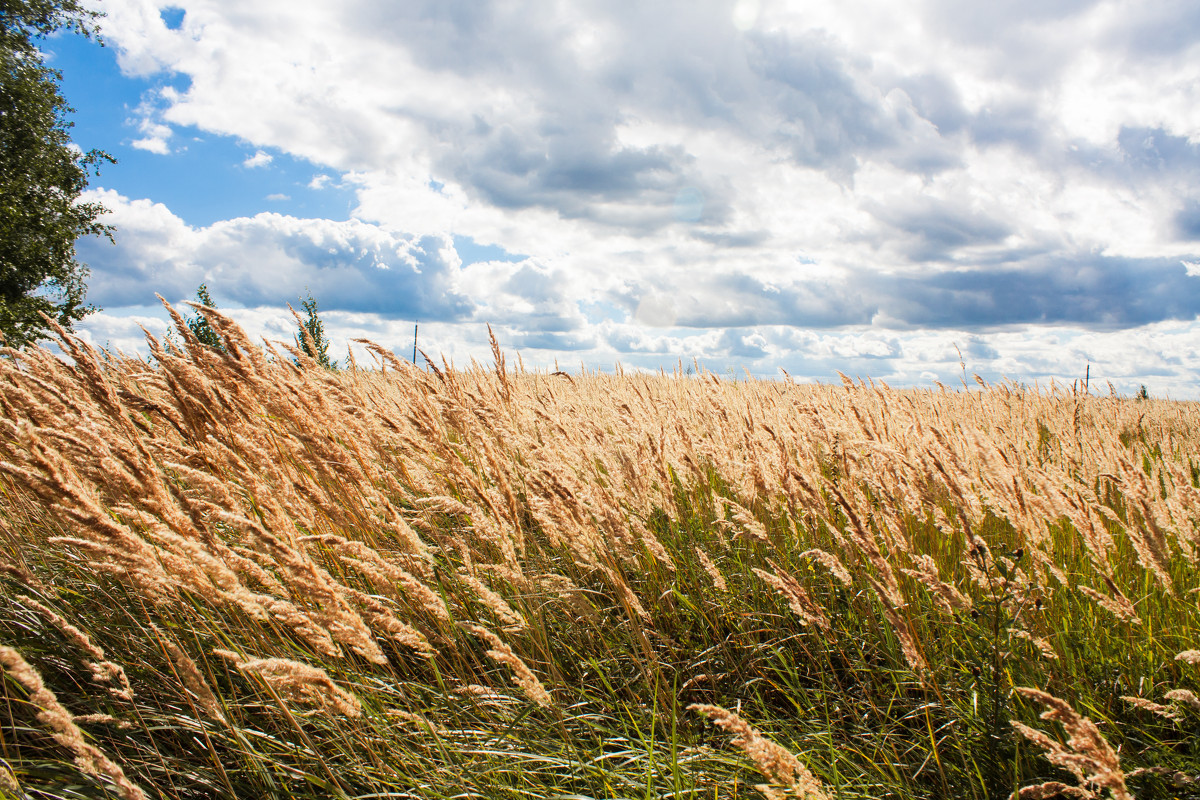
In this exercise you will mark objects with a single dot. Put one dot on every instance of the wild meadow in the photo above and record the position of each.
(230, 572)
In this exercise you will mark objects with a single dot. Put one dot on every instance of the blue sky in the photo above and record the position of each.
(859, 186)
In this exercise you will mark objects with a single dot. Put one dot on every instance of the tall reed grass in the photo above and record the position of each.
(226, 575)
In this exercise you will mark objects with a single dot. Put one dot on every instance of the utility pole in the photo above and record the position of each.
(415, 325)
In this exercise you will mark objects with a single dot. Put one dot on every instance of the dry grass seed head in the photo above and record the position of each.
(629, 600)
(301, 683)
(1184, 697)
(1087, 754)
(61, 724)
(1052, 789)
(383, 574)
(778, 764)
(103, 670)
(947, 597)
(420, 721)
(717, 578)
(1044, 647)
(192, 679)
(798, 598)
(753, 529)
(382, 618)
(9, 785)
(1119, 606)
(522, 675)
(1166, 712)
(831, 563)
(908, 643)
(511, 619)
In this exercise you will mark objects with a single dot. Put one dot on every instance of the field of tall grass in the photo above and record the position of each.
(226, 575)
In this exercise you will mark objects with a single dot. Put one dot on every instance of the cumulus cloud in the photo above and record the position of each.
(155, 135)
(269, 260)
(259, 159)
(156, 142)
(717, 173)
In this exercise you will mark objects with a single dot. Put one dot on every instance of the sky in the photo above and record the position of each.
(912, 191)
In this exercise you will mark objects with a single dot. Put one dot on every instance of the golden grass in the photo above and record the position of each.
(278, 559)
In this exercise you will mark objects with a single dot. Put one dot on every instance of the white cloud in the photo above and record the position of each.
(152, 144)
(278, 197)
(1006, 171)
(268, 260)
(259, 159)
(156, 135)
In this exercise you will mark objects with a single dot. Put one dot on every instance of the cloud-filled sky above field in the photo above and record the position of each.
(759, 184)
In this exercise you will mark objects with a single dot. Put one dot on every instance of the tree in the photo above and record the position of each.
(199, 323)
(311, 334)
(42, 174)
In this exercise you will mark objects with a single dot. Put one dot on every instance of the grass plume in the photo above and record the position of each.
(227, 574)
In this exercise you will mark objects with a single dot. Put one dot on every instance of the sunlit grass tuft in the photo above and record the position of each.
(226, 575)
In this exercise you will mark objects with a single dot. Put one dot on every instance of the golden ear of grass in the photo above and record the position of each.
(1118, 605)
(383, 574)
(61, 724)
(1158, 709)
(103, 670)
(512, 619)
(1053, 789)
(1043, 645)
(754, 529)
(908, 643)
(1189, 657)
(717, 578)
(9, 785)
(522, 675)
(299, 682)
(1087, 754)
(192, 679)
(633, 606)
(948, 598)
(831, 563)
(798, 599)
(778, 764)
(1184, 697)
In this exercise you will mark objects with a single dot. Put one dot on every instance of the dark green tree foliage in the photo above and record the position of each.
(199, 324)
(41, 176)
(311, 335)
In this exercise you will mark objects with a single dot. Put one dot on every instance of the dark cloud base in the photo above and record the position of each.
(1091, 291)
